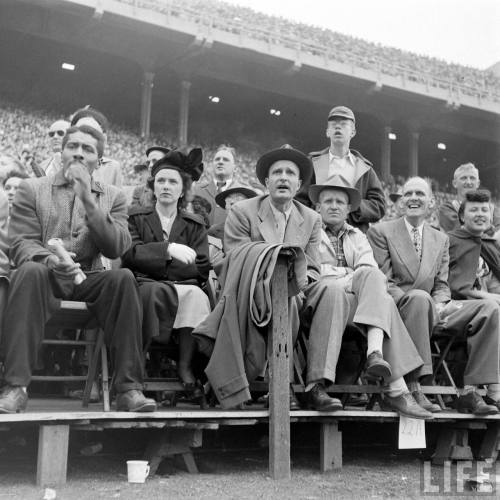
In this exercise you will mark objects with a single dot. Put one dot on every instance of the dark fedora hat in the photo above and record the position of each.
(157, 148)
(286, 152)
(248, 192)
(336, 182)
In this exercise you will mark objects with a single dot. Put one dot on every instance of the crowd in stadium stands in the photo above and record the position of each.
(23, 130)
(337, 46)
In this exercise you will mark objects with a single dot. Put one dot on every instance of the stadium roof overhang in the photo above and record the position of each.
(158, 42)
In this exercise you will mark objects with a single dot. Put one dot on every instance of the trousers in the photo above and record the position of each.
(477, 322)
(329, 308)
(111, 296)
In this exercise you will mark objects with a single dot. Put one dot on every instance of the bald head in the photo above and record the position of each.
(56, 133)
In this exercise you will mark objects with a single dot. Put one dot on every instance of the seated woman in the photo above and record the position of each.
(169, 257)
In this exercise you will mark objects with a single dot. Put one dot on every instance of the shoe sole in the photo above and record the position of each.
(379, 371)
(485, 414)
(145, 408)
(405, 414)
(3, 411)
(326, 408)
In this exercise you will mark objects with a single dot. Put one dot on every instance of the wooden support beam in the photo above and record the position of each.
(52, 462)
(490, 443)
(330, 442)
(280, 350)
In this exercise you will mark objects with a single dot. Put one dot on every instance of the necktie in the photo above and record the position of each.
(220, 185)
(281, 226)
(417, 243)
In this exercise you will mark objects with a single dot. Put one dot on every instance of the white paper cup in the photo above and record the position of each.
(137, 471)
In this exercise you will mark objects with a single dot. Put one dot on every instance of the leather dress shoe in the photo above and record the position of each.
(406, 405)
(491, 402)
(13, 399)
(318, 399)
(422, 401)
(134, 400)
(472, 402)
(377, 367)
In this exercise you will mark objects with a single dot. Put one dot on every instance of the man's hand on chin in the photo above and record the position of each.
(79, 178)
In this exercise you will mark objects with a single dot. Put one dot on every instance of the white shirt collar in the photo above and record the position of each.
(277, 213)
(347, 157)
(409, 227)
(227, 181)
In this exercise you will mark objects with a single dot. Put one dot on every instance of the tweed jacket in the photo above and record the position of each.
(398, 260)
(372, 207)
(41, 211)
(109, 172)
(253, 220)
(147, 256)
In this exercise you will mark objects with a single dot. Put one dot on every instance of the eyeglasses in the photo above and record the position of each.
(60, 133)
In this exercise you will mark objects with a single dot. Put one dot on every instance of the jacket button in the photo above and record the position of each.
(75, 234)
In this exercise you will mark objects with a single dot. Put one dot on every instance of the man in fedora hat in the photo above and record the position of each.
(347, 261)
(277, 218)
(338, 159)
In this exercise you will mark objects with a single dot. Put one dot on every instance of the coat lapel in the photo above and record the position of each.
(294, 235)
(153, 221)
(404, 248)
(321, 167)
(267, 225)
(177, 227)
(429, 245)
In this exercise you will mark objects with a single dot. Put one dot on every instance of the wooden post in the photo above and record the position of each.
(330, 447)
(279, 343)
(52, 462)
(491, 442)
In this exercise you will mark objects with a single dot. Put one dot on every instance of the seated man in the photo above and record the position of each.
(347, 261)
(278, 218)
(90, 219)
(415, 257)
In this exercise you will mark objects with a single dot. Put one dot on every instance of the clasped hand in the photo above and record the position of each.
(183, 253)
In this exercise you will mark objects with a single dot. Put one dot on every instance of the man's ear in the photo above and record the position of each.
(353, 131)
(432, 202)
(300, 184)
(317, 207)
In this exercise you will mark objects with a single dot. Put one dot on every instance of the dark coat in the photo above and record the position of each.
(148, 255)
(465, 250)
(372, 207)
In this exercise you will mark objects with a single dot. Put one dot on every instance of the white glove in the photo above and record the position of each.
(183, 253)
